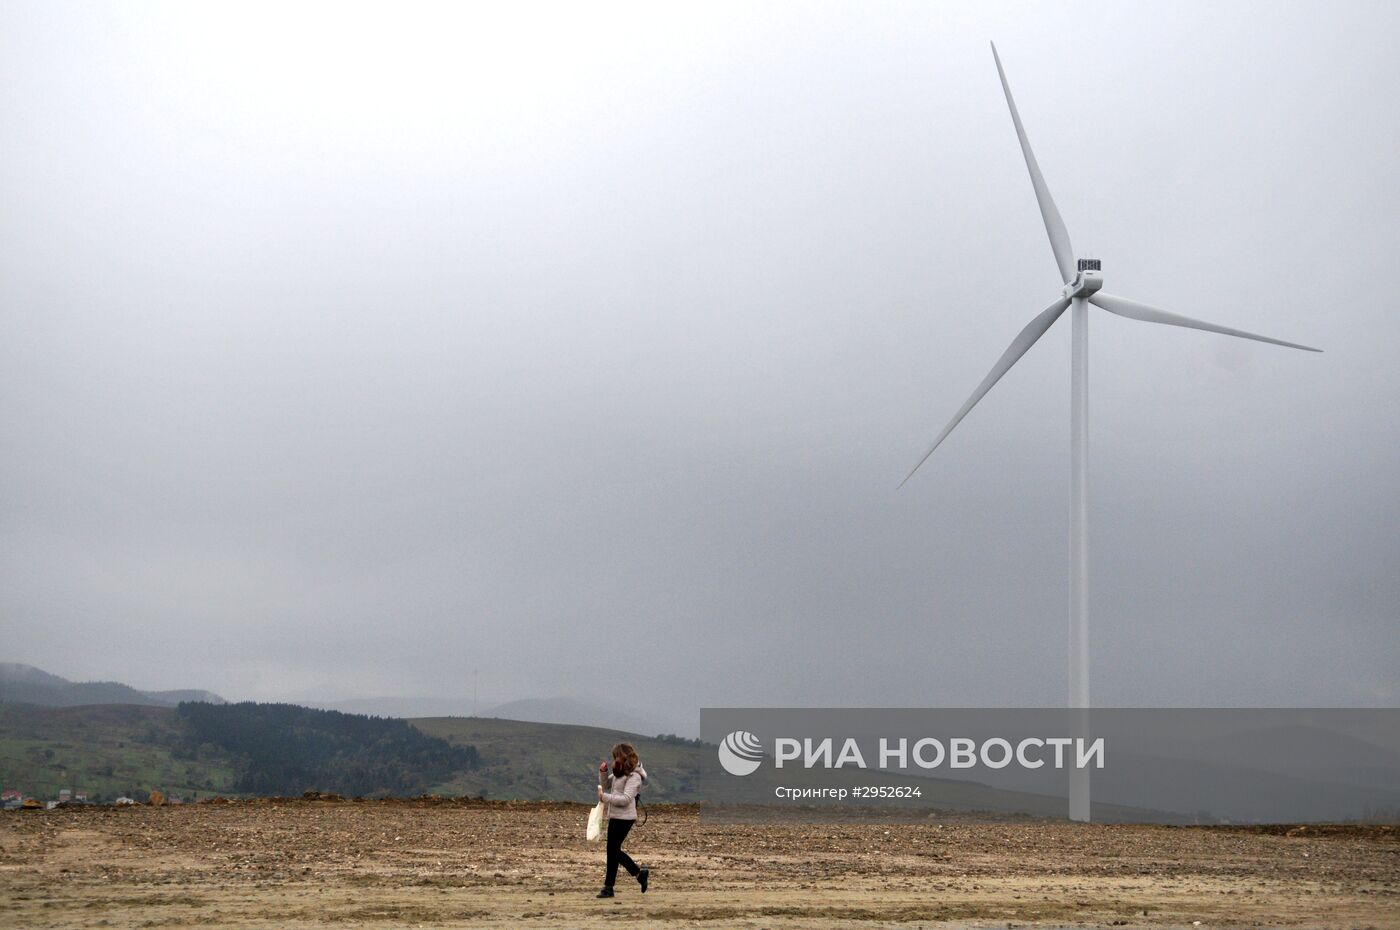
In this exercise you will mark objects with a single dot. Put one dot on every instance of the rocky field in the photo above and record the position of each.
(298, 864)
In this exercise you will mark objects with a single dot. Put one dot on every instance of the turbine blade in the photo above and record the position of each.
(1054, 226)
(1136, 311)
(1027, 338)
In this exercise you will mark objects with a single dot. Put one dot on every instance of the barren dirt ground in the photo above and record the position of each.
(408, 864)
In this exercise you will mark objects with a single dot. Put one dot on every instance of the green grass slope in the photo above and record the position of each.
(554, 761)
(105, 751)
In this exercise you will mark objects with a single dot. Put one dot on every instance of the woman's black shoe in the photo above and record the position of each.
(606, 892)
(642, 877)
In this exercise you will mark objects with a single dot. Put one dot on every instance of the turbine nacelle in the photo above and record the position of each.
(1086, 281)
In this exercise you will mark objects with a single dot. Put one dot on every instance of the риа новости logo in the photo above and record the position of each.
(740, 753)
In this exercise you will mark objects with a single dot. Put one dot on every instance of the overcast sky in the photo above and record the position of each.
(348, 349)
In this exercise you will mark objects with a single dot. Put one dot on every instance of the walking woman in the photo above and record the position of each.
(619, 790)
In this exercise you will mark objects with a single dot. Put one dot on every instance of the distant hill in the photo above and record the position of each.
(564, 710)
(540, 761)
(551, 761)
(198, 749)
(398, 706)
(574, 712)
(30, 685)
(201, 750)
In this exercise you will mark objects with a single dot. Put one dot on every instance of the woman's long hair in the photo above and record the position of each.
(625, 760)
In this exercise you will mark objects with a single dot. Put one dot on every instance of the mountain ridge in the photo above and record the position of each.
(28, 684)
(564, 710)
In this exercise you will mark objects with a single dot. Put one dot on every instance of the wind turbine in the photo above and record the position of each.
(1082, 286)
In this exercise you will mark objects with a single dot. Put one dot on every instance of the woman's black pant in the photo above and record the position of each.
(617, 832)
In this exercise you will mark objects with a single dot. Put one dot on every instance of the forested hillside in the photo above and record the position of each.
(199, 750)
(288, 749)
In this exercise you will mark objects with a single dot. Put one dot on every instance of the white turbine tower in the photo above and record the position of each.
(1081, 287)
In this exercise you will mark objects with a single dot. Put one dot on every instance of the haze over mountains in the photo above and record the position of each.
(30, 685)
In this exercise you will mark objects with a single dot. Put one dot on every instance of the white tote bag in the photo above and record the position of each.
(595, 821)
